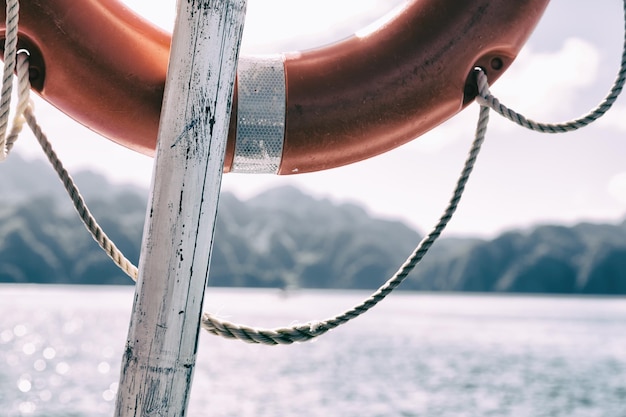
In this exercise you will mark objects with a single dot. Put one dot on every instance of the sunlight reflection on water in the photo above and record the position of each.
(414, 355)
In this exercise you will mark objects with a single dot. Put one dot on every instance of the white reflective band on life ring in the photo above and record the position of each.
(260, 115)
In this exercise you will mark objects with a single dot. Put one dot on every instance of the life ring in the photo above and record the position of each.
(105, 67)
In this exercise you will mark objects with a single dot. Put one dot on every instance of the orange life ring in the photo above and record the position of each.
(106, 67)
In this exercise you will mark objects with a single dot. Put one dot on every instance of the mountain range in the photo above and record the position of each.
(286, 239)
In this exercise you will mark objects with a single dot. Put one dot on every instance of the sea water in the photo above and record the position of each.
(430, 355)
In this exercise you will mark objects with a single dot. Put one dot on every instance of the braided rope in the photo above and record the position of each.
(10, 49)
(25, 113)
(10, 59)
(15, 60)
(209, 322)
(298, 333)
(301, 333)
(485, 98)
(85, 215)
(24, 101)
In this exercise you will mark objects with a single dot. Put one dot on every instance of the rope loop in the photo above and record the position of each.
(309, 331)
(12, 59)
(485, 98)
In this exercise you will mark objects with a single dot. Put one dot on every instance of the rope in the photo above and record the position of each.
(311, 330)
(487, 99)
(298, 333)
(11, 56)
(85, 215)
(24, 113)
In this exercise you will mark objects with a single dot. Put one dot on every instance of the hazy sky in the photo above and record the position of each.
(522, 178)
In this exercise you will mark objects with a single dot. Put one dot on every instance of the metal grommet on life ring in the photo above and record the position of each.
(294, 112)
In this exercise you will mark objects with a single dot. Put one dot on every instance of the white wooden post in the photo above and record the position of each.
(158, 364)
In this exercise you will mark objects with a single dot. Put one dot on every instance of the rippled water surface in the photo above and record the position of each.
(413, 355)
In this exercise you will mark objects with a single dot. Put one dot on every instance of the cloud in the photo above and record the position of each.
(617, 187)
(279, 25)
(614, 118)
(543, 85)
(459, 128)
(162, 16)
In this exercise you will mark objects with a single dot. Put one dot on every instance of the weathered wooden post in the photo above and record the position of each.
(158, 364)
